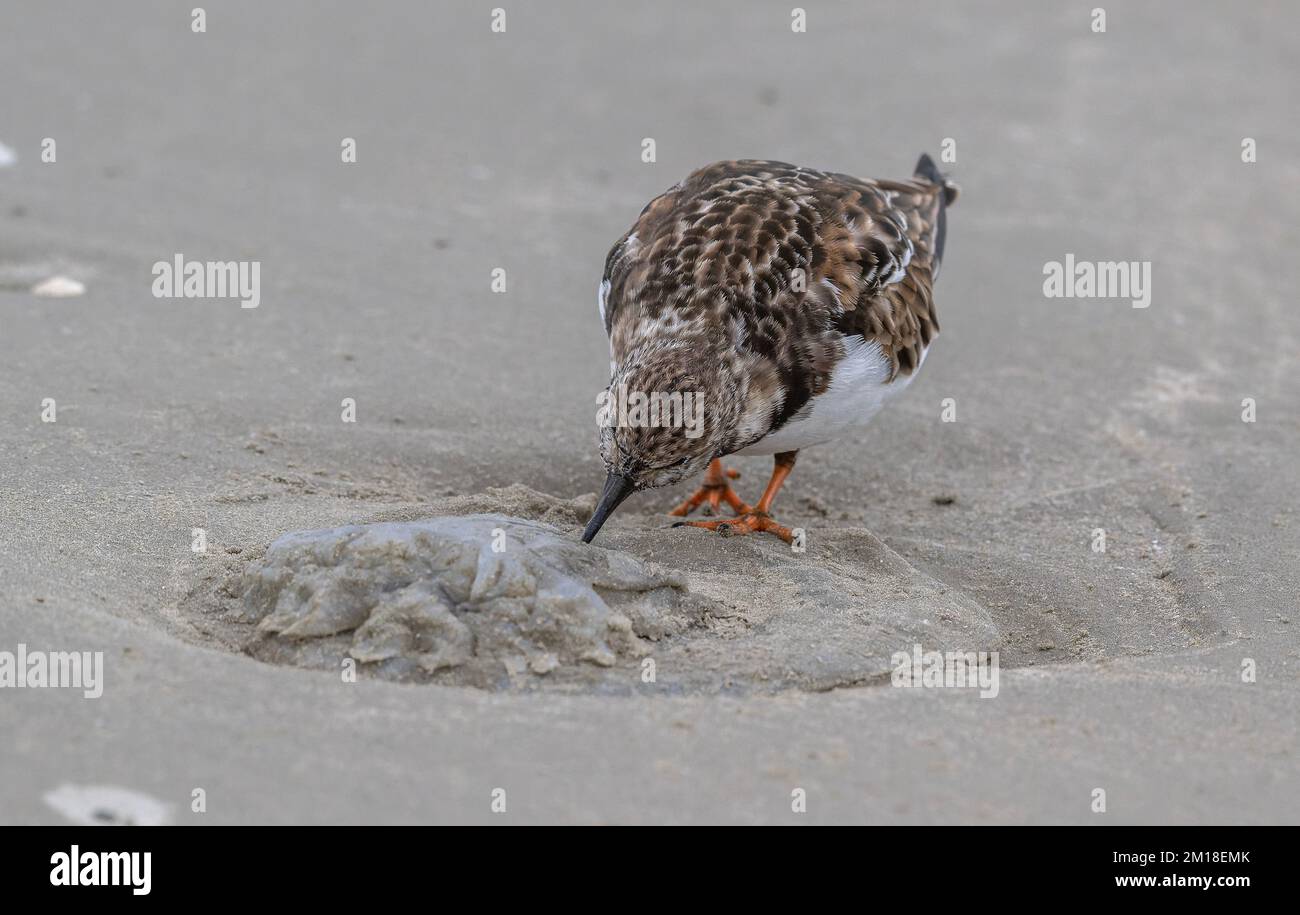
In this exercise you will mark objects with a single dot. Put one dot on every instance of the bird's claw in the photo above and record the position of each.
(714, 491)
(748, 522)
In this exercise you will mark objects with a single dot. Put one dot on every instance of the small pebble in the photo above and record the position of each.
(543, 664)
(59, 287)
(98, 805)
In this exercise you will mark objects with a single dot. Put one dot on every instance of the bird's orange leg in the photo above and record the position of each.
(715, 491)
(758, 518)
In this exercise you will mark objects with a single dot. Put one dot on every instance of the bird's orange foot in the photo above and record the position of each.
(747, 522)
(715, 491)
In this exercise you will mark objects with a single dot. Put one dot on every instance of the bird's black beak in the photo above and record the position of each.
(617, 488)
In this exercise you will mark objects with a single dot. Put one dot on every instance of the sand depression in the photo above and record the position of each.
(495, 591)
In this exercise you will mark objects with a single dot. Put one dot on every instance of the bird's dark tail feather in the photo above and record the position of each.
(926, 169)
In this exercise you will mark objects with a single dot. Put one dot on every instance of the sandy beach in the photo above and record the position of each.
(1163, 670)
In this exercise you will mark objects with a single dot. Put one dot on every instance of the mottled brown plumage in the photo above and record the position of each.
(755, 280)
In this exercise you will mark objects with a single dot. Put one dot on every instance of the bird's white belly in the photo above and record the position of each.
(859, 388)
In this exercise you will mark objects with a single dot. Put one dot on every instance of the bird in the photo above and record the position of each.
(792, 302)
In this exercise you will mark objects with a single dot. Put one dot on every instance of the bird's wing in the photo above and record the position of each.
(732, 232)
(879, 242)
(795, 258)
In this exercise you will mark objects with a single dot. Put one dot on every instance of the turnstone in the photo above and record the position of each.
(795, 301)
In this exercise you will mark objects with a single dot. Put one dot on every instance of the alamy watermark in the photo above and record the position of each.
(182, 279)
(102, 868)
(1098, 280)
(946, 669)
(656, 409)
(83, 670)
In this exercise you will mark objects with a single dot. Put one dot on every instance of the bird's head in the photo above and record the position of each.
(661, 420)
